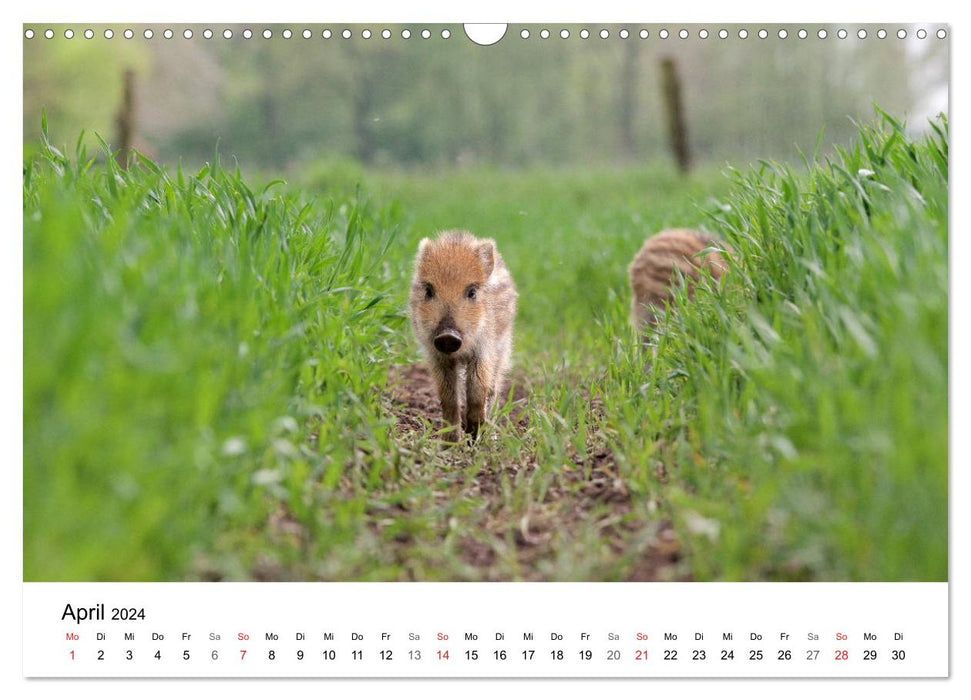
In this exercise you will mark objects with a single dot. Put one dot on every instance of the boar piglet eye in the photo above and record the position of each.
(470, 292)
(429, 291)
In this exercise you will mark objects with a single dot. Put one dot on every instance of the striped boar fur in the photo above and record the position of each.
(654, 271)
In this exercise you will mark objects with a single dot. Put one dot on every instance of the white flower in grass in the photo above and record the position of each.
(234, 446)
(265, 477)
(286, 424)
(700, 525)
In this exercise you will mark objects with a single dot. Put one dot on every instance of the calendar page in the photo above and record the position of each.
(396, 348)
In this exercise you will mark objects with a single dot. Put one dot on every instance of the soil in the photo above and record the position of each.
(414, 400)
(586, 495)
(593, 487)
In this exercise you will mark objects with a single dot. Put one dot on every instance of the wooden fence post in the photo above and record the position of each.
(674, 114)
(126, 119)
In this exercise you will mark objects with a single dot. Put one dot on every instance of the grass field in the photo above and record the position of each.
(220, 382)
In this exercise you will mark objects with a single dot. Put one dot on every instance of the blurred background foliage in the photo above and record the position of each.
(448, 102)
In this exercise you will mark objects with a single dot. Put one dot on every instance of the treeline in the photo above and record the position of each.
(447, 101)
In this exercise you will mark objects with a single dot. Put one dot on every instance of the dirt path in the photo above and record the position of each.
(483, 512)
(591, 490)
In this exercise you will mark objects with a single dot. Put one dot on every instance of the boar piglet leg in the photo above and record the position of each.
(448, 380)
(478, 393)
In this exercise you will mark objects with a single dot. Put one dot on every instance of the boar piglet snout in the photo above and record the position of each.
(448, 341)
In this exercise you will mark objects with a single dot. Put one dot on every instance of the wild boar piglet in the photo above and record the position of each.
(462, 306)
(654, 271)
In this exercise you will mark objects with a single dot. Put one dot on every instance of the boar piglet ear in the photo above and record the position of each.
(487, 254)
(423, 247)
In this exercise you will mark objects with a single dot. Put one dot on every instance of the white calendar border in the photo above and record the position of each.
(419, 630)
(498, 10)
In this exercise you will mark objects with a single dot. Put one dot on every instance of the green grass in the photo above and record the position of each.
(206, 368)
(183, 338)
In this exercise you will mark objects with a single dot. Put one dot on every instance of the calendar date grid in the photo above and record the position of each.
(427, 630)
(332, 648)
